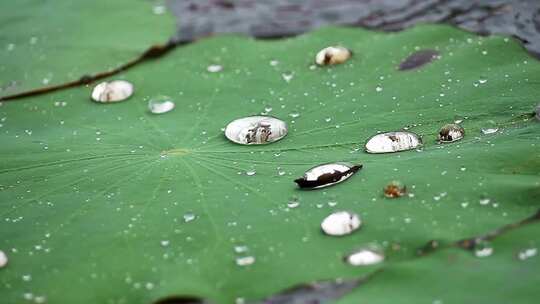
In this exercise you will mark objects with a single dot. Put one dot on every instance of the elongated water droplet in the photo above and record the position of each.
(483, 249)
(489, 130)
(251, 172)
(537, 112)
(418, 59)
(214, 68)
(256, 130)
(3, 259)
(160, 104)
(365, 257)
(395, 189)
(450, 133)
(293, 203)
(245, 261)
(332, 55)
(288, 76)
(327, 175)
(113, 91)
(527, 253)
(296, 114)
(341, 223)
(393, 142)
(188, 217)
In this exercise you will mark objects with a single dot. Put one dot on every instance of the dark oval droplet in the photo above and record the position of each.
(418, 59)
(180, 300)
(326, 175)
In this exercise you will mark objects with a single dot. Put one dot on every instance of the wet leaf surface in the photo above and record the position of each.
(122, 205)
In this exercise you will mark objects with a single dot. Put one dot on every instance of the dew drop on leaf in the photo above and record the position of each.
(245, 261)
(487, 131)
(256, 130)
(537, 112)
(418, 59)
(296, 114)
(393, 142)
(332, 55)
(3, 259)
(451, 133)
(327, 175)
(113, 91)
(214, 68)
(341, 223)
(365, 257)
(160, 104)
(483, 249)
(188, 217)
(293, 203)
(484, 201)
(527, 253)
(251, 172)
(287, 76)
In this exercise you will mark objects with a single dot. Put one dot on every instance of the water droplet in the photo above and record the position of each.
(483, 249)
(527, 253)
(159, 9)
(418, 59)
(482, 80)
(484, 201)
(332, 55)
(296, 114)
(451, 133)
(256, 130)
(394, 189)
(165, 243)
(245, 261)
(328, 119)
(114, 91)
(378, 88)
(327, 175)
(393, 142)
(288, 76)
(341, 223)
(214, 68)
(188, 217)
(27, 277)
(240, 248)
(251, 172)
(490, 130)
(160, 104)
(365, 257)
(293, 203)
(3, 259)
(274, 62)
(537, 112)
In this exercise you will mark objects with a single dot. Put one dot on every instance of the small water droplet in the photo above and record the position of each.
(274, 62)
(482, 80)
(256, 130)
(296, 114)
(393, 142)
(245, 261)
(483, 249)
(240, 248)
(113, 91)
(332, 55)
(365, 257)
(188, 217)
(3, 259)
(527, 253)
(214, 68)
(165, 243)
(395, 189)
(487, 131)
(287, 76)
(341, 223)
(484, 201)
(328, 119)
(293, 203)
(451, 133)
(26, 277)
(160, 104)
(327, 175)
(159, 9)
(378, 88)
(251, 172)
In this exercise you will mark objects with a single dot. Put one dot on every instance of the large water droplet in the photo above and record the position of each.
(327, 175)
(332, 55)
(450, 133)
(394, 189)
(160, 104)
(3, 259)
(341, 223)
(245, 261)
(114, 91)
(418, 59)
(256, 130)
(393, 142)
(365, 257)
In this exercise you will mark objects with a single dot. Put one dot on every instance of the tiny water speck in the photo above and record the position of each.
(188, 217)
(341, 223)
(527, 253)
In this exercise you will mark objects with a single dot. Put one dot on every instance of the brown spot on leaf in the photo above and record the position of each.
(418, 59)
